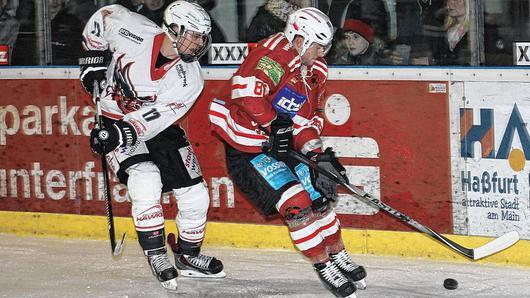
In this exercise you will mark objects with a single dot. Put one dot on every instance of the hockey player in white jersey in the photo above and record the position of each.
(151, 80)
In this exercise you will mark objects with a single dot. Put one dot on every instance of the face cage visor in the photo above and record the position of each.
(308, 43)
(187, 39)
(327, 47)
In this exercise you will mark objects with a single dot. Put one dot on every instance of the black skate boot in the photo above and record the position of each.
(352, 271)
(162, 268)
(334, 280)
(197, 265)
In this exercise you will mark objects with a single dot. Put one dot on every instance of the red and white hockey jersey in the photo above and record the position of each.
(150, 98)
(270, 81)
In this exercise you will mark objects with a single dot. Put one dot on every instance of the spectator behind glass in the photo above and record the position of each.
(8, 25)
(26, 52)
(216, 33)
(132, 5)
(498, 49)
(353, 45)
(420, 24)
(455, 48)
(151, 9)
(372, 11)
(67, 27)
(271, 18)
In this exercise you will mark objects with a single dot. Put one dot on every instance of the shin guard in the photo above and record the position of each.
(295, 208)
(329, 226)
(193, 203)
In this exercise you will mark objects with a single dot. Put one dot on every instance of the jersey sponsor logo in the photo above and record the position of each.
(174, 106)
(276, 173)
(190, 162)
(304, 176)
(181, 72)
(288, 101)
(130, 36)
(271, 68)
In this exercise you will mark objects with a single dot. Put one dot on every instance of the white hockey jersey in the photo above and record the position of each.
(149, 98)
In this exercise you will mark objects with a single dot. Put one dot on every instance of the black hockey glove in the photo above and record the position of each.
(93, 66)
(280, 138)
(322, 204)
(328, 161)
(119, 134)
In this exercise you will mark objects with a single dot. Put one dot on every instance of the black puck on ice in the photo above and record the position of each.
(450, 284)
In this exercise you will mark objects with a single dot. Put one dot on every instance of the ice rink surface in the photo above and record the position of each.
(51, 267)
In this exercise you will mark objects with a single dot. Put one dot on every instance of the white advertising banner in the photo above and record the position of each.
(228, 53)
(490, 149)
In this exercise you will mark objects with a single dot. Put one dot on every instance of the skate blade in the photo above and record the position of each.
(360, 284)
(197, 274)
(352, 296)
(170, 285)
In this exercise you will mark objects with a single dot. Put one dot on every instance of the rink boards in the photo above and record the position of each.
(447, 147)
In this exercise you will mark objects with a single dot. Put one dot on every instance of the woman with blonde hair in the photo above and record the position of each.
(457, 21)
(453, 48)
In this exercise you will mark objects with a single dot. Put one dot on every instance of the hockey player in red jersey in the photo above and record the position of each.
(272, 107)
(151, 81)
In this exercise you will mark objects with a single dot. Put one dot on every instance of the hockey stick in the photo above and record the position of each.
(492, 247)
(117, 248)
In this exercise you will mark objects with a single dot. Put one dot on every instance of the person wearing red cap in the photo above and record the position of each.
(353, 44)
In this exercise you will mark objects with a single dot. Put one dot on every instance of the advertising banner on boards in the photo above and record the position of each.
(392, 136)
(491, 149)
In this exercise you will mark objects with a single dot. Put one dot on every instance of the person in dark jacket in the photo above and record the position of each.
(270, 18)
(151, 9)
(9, 25)
(67, 26)
(372, 11)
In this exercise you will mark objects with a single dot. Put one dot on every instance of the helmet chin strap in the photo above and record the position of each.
(175, 47)
(174, 42)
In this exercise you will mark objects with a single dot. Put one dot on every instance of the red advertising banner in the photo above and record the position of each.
(46, 164)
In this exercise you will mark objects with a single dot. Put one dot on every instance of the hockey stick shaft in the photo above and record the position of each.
(490, 248)
(115, 247)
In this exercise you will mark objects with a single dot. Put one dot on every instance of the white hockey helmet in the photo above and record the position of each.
(313, 25)
(187, 16)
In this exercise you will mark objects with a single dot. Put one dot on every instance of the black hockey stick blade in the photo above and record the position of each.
(498, 244)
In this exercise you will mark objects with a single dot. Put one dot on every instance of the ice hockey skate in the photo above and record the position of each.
(162, 268)
(352, 271)
(334, 280)
(201, 266)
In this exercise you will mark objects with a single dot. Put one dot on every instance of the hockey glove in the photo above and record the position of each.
(329, 162)
(280, 138)
(93, 68)
(119, 134)
(321, 205)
